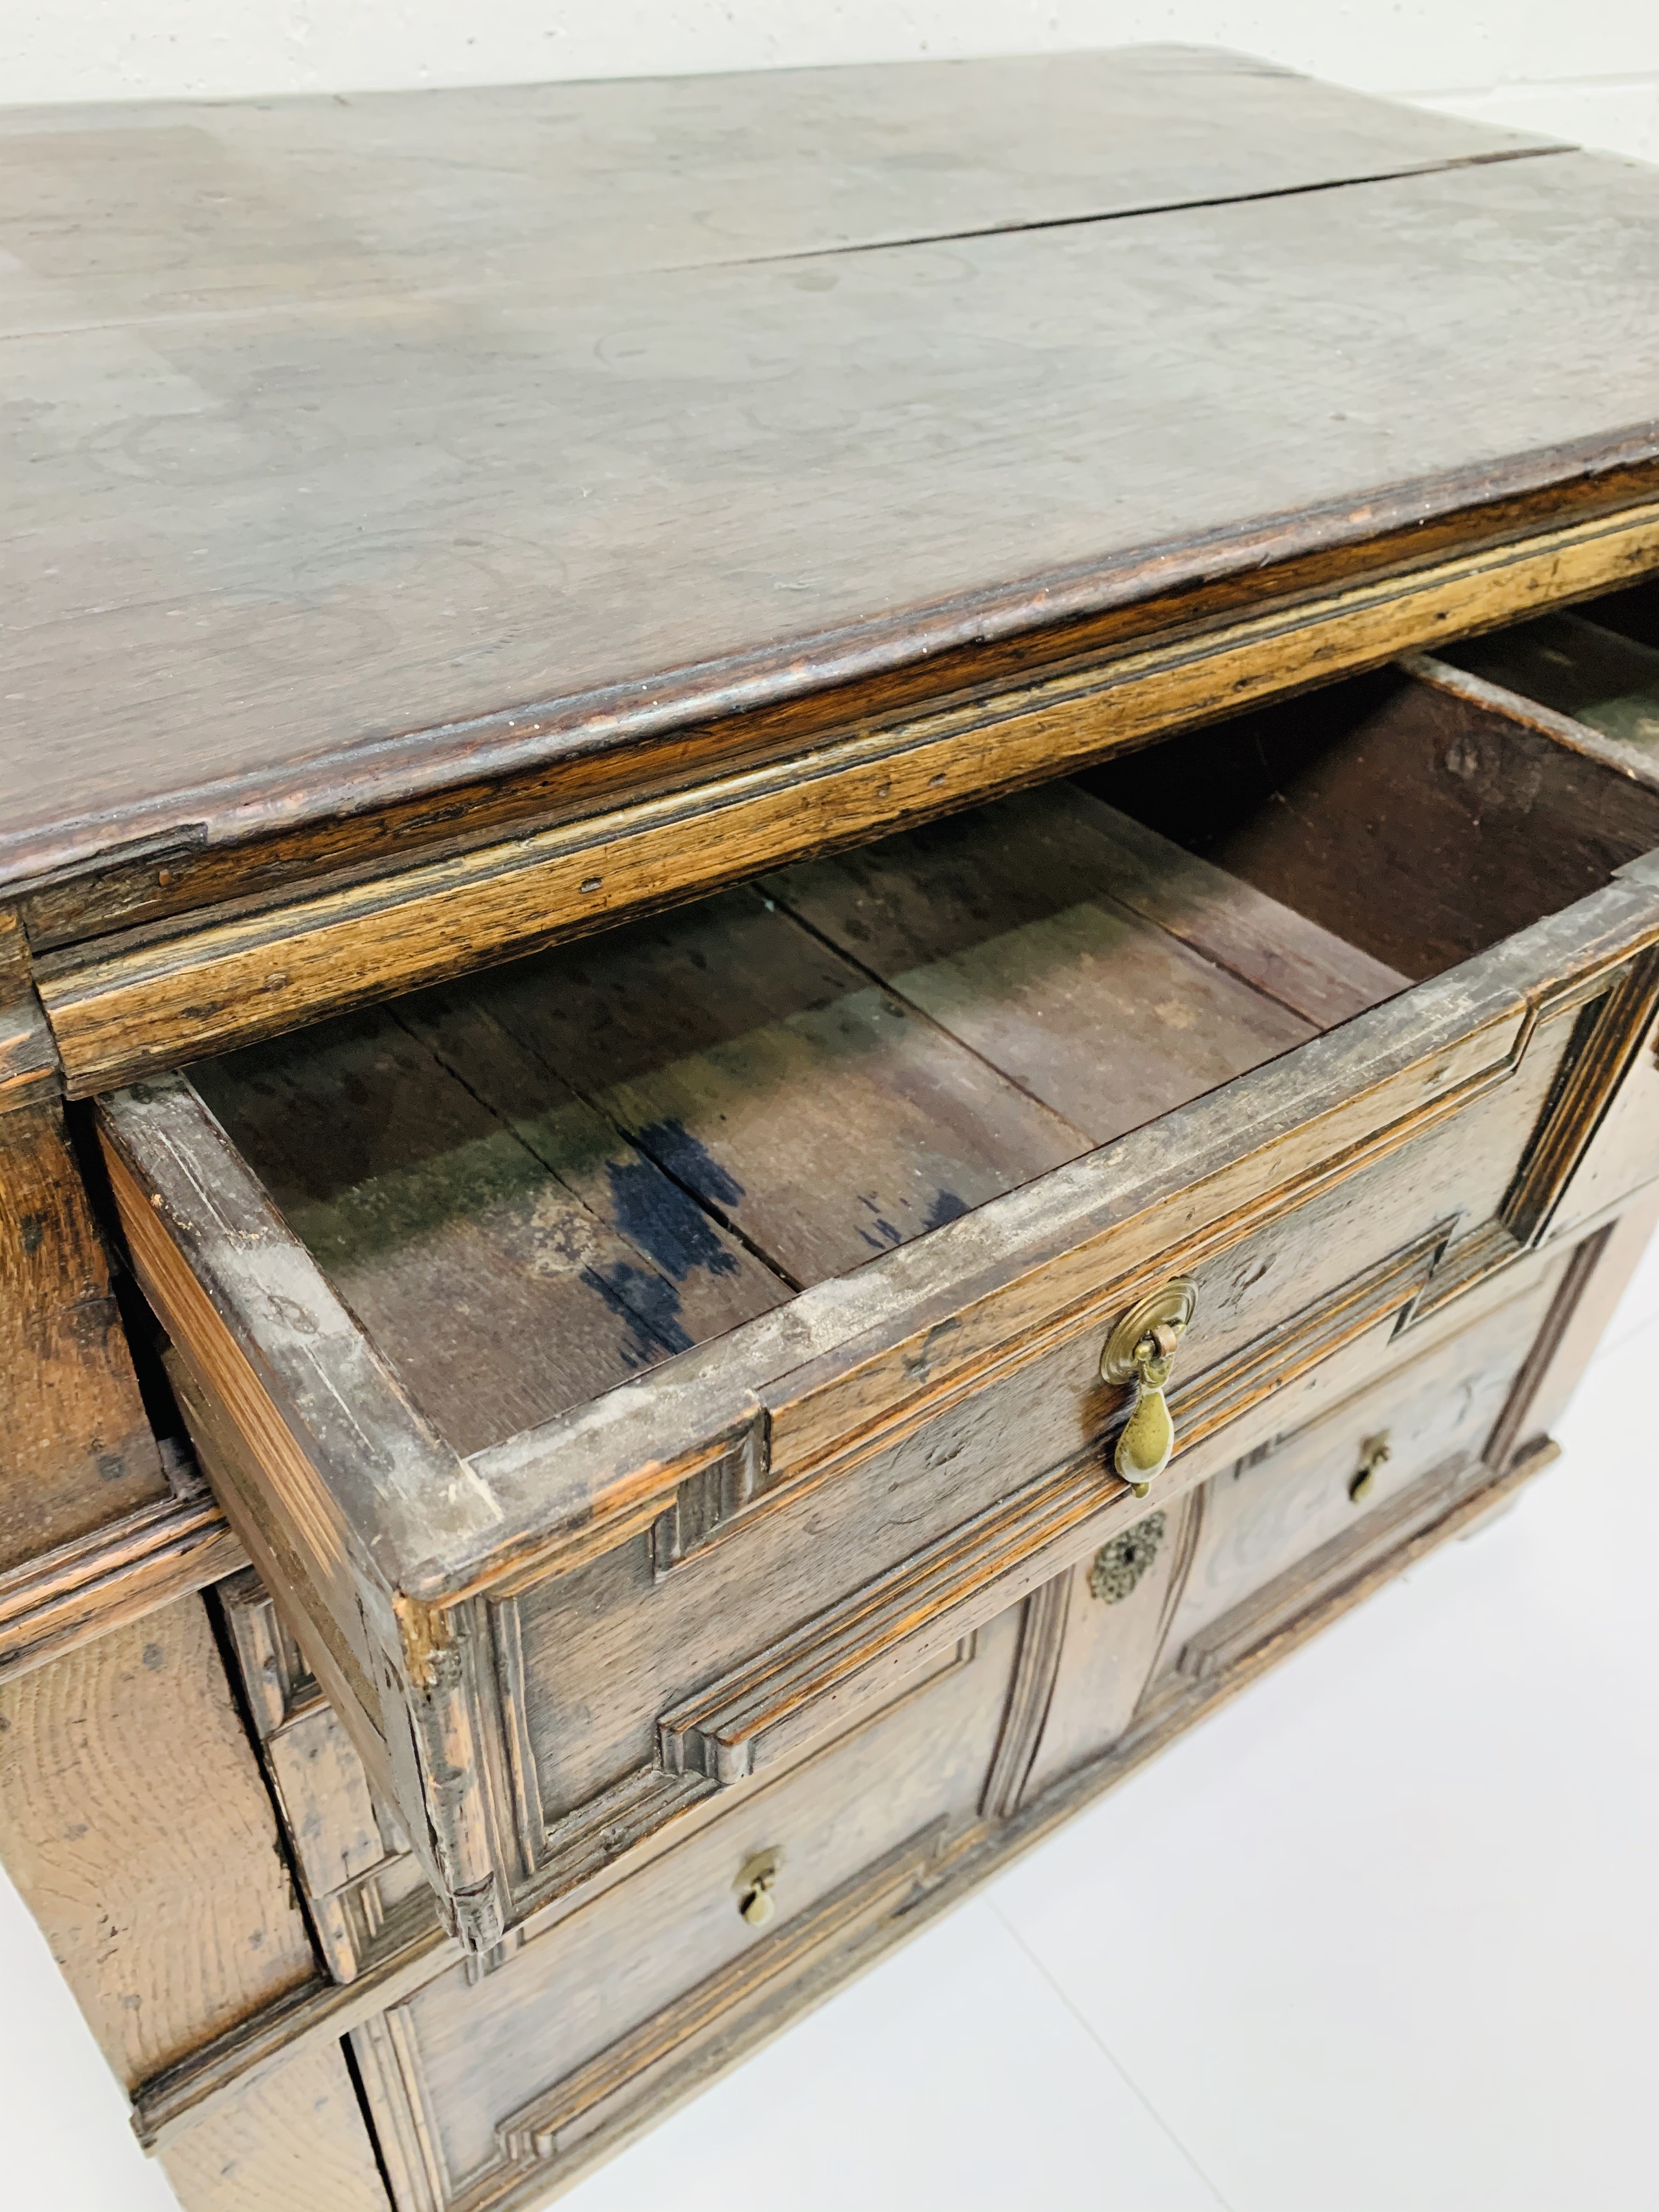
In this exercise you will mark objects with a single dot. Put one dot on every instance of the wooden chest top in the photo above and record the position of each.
(385, 462)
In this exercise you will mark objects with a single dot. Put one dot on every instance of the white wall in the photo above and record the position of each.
(1589, 70)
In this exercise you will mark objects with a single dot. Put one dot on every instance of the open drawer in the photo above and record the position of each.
(623, 1367)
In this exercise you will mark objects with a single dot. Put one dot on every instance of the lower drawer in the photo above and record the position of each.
(492, 2084)
(483, 2083)
(1192, 1589)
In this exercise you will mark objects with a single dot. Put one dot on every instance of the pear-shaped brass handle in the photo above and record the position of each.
(1140, 1349)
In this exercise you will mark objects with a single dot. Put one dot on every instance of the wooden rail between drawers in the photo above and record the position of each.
(117, 1574)
(119, 1010)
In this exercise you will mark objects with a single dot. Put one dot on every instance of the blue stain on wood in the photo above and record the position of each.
(655, 1215)
(649, 1305)
(946, 1207)
(674, 1148)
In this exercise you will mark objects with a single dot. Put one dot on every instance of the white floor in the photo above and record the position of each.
(1382, 1934)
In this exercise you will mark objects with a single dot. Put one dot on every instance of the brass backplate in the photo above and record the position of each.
(1173, 1305)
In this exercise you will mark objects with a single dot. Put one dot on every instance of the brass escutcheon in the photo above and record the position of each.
(1140, 1349)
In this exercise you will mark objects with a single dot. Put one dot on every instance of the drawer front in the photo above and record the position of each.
(482, 2083)
(1273, 1511)
(793, 1615)
(1194, 1586)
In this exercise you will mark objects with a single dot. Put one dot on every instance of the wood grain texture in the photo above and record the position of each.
(76, 1449)
(296, 614)
(1411, 818)
(1202, 1181)
(1003, 927)
(435, 2092)
(1113, 1642)
(470, 2063)
(114, 1574)
(364, 1894)
(1281, 1505)
(1572, 663)
(137, 1827)
(122, 1008)
(29, 1069)
(509, 1254)
(173, 2105)
(668, 172)
(531, 1185)
(825, 1118)
(296, 2138)
(1217, 1170)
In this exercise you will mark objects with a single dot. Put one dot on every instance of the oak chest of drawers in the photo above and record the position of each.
(892, 994)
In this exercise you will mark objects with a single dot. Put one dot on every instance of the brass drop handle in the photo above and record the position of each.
(756, 1879)
(1377, 1451)
(1141, 1350)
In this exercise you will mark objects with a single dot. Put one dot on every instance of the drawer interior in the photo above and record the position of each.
(1600, 665)
(535, 1183)
(1411, 820)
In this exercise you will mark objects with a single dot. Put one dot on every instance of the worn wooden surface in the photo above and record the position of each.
(454, 2075)
(385, 570)
(506, 1248)
(1368, 1149)
(1581, 669)
(364, 1892)
(1406, 815)
(1002, 927)
(193, 2093)
(296, 2139)
(825, 1118)
(1045, 1409)
(473, 2058)
(118, 1572)
(384, 192)
(1273, 1507)
(76, 1450)
(141, 999)
(134, 1821)
(532, 1184)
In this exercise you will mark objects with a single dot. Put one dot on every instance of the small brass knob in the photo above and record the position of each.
(1377, 1451)
(1141, 1350)
(756, 1879)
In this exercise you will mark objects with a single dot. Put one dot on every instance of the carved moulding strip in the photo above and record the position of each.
(120, 1008)
(1042, 1641)
(1614, 1030)
(83, 1588)
(1506, 1437)
(363, 1891)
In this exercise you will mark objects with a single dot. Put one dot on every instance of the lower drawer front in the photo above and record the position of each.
(498, 2079)
(1192, 1588)
(483, 2083)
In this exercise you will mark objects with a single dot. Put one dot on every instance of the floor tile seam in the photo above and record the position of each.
(1110, 2057)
